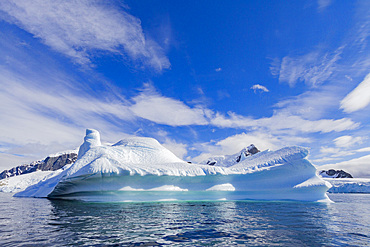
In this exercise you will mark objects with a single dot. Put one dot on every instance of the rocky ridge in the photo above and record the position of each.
(334, 174)
(50, 163)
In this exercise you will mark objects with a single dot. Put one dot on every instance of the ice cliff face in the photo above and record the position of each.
(140, 169)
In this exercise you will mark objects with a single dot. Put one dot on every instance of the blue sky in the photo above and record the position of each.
(202, 77)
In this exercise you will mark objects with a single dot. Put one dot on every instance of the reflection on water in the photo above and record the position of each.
(27, 221)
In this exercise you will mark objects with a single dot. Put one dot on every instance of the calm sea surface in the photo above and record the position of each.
(43, 222)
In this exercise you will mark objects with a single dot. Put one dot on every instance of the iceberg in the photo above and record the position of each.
(141, 169)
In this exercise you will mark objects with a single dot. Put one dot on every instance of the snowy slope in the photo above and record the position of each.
(230, 160)
(21, 182)
(52, 162)
(140, 169)
(349, 185)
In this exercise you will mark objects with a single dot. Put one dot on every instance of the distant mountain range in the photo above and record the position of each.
(50, 163)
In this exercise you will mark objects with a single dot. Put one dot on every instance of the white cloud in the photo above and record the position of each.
(218, 69)
(329, 150)
(259, 87)
(343, 148)
(312, 68)
(39, 118)
(78, 28)
(9, 161)
(313, 104)
(235, 143)
(325, 159)
(284, 121)
(30, 107)
(179, 149)
(367, 149)
(359, 167)
(323, 4)
(152, 106)
(347, 141)
(335, 152)
(359, 98)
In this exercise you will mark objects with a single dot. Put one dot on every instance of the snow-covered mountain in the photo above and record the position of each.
(21, 182)
(230, 160)
(343, 182)
(50, 163)
(349, 185)
(140, 169)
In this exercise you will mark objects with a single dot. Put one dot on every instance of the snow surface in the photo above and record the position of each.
(75, 151)
(21, 182)
(140, 169)
(230, 160)
(349, 185)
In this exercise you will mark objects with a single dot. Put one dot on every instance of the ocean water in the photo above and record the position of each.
(43, 222)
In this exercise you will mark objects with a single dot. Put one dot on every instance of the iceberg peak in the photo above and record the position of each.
(92, 139)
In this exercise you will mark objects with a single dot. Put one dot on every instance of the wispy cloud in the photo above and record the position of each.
(312, 104)
(313, 68)
(334, 153)
(319, 66)
(218, 69)
(347, 141)
(343, 146)
(79, 28)
(323, 4)
(283, 121)
(44, 109)
(179, 149)
(258, 87)
(40, 116)
(359, 98)
(30, 112)
(367, 149)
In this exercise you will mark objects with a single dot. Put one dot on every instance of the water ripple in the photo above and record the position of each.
(41, 222)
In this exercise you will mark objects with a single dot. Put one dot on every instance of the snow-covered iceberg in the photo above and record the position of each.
(140, 169)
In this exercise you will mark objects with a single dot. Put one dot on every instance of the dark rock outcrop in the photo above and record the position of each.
(250, 150)
(48, 164)
(211, 163)
(334, 174)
